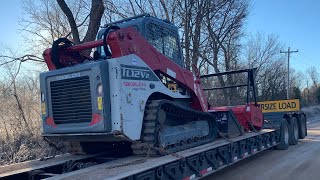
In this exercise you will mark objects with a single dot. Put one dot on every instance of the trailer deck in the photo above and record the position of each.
(53, 166)
(192, 163)
(225, 152)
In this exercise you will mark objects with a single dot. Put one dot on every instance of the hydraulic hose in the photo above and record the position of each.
(60, 43)
(105, 35)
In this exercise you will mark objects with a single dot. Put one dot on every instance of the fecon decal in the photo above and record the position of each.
(280, 106)
(137, 73)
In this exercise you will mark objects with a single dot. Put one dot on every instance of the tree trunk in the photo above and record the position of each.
(74, 29)
(96, 13)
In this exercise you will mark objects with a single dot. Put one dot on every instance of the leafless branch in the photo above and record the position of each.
(27, 57)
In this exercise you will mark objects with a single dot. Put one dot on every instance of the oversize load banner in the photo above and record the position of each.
(280, 105)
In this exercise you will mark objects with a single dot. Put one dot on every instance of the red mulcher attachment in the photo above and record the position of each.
(249, 116)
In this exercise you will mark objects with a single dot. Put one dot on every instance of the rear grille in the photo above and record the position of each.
(71, 100)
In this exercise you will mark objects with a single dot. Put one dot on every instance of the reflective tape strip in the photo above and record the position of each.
(254, 150)
(43, 108)
(99, 101)
(245, 154)
(191, 177)
(206, 170)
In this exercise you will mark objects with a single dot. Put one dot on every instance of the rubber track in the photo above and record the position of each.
(151, 125)
(148, 134)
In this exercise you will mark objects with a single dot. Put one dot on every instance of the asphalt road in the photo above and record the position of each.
(299, 162)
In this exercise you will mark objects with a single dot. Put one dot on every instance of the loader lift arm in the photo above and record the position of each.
(129, 41)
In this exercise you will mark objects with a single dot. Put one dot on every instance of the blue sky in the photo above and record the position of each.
(10, 12)
(296, 22)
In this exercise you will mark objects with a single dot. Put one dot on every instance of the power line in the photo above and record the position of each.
(288, 80)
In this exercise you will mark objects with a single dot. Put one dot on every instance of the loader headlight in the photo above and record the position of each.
(99, 90)
(42, 97)
(43, 104)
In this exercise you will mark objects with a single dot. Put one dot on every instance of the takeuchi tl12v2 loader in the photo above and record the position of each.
(133, 93)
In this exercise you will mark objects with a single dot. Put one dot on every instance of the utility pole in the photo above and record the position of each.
(288, 80)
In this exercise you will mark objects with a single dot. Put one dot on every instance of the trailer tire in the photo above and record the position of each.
(294, 131)
(284, 136)
(302, 126)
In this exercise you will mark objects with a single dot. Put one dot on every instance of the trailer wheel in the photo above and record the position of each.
(284, 136)
(302, 126)
(294, 131)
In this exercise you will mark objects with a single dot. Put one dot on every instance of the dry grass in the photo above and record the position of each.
(24, 148)
(20, 127)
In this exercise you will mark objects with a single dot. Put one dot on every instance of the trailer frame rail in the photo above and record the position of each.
(193, 163)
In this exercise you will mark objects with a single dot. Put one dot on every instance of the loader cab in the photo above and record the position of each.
(162, 34)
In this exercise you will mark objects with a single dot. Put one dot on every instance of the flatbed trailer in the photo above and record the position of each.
(281, 128)
(22, 170)
(193, 163)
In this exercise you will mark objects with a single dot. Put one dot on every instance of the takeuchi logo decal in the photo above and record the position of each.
(137, 73)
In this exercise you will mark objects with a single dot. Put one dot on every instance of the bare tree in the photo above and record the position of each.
(20, 117)
(44, 21)
(95, 15)
(262, 49)
(262, 52)
(309, 94)
(49, 20)
(224, 20)
(313, 75)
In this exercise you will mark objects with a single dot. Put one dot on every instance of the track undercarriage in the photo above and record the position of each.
(169, 127)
